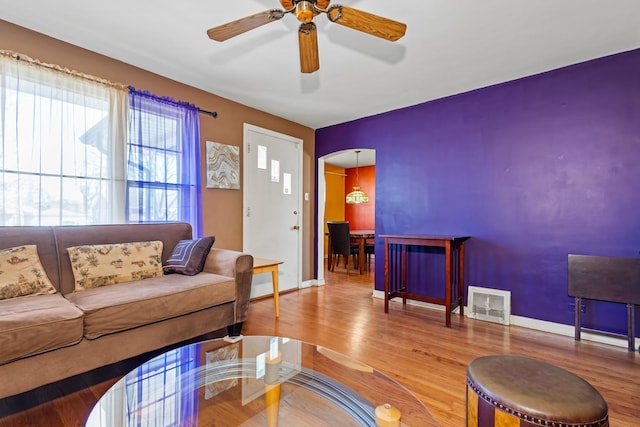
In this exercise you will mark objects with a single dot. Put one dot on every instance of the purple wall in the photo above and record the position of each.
(532, 169)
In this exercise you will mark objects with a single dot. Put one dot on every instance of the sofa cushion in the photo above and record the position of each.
(189, 256)
(21, 273)
(100, 265)
(123, 306)
(35, 324)
(78, 235)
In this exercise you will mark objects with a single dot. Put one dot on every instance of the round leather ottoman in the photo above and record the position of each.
(510, 391)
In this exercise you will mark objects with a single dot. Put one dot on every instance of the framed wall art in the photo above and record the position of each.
(223, 166)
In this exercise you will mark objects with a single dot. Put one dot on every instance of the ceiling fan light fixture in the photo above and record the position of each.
(304, 11)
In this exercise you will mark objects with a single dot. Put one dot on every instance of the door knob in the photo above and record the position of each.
(295, 227)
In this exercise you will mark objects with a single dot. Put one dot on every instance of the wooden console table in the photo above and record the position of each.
(395, 270)
(605, 279)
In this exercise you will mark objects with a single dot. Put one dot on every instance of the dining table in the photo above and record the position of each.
(361, 236)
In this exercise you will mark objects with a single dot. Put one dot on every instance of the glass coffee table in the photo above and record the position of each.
(257, 381)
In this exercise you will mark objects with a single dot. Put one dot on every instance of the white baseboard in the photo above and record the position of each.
(566, 330)
(312, 282)
(527, 322)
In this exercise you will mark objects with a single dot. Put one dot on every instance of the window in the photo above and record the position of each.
(55, 166)
(163, 183)
(77, 150)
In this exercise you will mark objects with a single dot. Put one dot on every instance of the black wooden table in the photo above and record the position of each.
(604, 278)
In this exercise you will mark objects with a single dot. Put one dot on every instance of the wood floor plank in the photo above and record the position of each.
(410, 344)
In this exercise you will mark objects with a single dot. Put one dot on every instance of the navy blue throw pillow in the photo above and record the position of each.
(189, 256)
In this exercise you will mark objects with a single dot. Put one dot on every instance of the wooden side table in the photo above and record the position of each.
(262, 265)
(395, 270)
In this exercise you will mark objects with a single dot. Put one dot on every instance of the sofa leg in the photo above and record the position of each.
(235, 330)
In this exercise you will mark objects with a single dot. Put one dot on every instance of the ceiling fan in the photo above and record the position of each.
(305, 11)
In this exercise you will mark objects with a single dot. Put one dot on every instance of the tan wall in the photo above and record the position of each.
(222, 209)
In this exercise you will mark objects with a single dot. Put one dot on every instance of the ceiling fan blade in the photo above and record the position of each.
(366, 22)
(308, 43)
(234, 28)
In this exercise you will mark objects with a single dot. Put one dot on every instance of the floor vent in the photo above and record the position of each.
(492, 305)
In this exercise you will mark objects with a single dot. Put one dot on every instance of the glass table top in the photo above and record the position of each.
(257, 381)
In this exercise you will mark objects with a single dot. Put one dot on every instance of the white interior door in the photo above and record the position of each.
(273, 205)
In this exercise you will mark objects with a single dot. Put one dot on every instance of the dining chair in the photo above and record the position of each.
(369, 249)
(341, 243)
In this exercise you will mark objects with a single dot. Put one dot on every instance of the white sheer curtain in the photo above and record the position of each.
(62, 146)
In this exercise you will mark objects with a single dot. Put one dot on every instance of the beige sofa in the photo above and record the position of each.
(46, 338)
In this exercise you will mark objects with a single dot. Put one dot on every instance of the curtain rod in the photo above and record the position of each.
(25, 58)
(213, 114)
(57, 68)
(172, 101)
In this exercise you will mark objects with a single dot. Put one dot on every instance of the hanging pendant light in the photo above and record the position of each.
(357, 196)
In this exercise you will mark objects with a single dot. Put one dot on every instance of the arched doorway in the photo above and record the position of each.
(336, 167)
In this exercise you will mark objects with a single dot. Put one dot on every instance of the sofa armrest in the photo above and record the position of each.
(230, 263)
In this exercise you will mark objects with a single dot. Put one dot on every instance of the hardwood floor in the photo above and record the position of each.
(409, 344)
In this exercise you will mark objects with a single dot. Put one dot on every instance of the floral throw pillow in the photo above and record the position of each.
(21, 273)
(101, 265)
(189, 256)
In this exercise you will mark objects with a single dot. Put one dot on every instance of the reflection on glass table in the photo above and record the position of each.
(257, 381)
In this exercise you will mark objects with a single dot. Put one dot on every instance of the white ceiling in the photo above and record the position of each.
(348, 159)
(451, 46)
